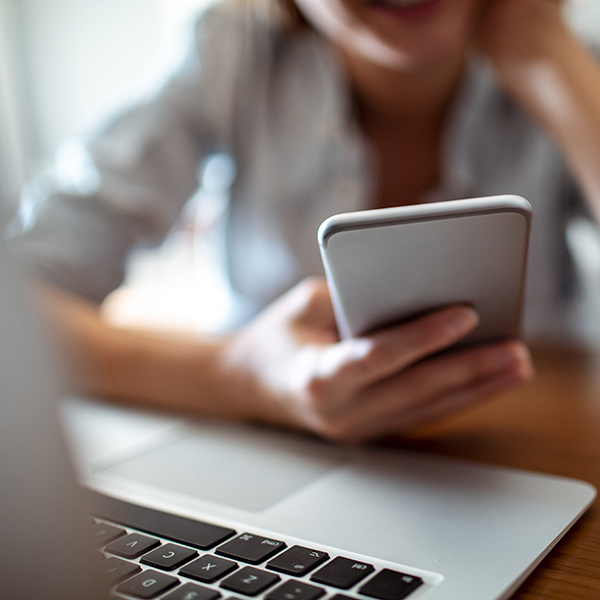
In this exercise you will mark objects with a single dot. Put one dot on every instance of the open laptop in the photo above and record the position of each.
(193, 510)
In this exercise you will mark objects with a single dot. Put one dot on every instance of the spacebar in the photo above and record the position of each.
(179, 529)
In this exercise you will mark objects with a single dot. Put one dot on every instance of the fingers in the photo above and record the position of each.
(459, 401)
(431, 390)
(441, 375)
(291, 364)
(464, 399)
(357, 363)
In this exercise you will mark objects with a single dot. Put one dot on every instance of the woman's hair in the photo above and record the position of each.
(281, 13)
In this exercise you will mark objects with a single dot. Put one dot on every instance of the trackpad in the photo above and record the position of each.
(242, 467)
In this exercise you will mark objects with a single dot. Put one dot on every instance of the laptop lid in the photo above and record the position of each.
(45, 551)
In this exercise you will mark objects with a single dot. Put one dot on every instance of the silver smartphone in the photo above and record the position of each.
(387, 265)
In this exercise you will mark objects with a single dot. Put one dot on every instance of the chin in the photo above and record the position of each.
(404, 58)
(421, 41)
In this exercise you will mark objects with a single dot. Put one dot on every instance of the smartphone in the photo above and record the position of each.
(388, 265)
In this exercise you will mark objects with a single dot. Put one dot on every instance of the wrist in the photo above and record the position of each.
(521, 36)
(244, 385)
(541, 80)
(517, 70)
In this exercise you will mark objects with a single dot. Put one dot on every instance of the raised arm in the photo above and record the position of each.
(547, 69)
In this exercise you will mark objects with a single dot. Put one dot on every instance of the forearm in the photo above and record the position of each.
(287, 367)
(154, 369)
(562, 91)
(544, 66)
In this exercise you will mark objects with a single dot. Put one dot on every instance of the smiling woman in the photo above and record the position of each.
(402, 35)
(373, 104)
(76, 64)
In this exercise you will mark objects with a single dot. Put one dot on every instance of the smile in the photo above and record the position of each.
(398, 3)
(405, 9)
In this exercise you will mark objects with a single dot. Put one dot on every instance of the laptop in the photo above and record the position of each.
(180, 509)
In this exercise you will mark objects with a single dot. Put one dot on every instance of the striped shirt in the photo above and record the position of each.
(279, 106)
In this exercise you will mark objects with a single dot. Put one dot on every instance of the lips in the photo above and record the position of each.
(405, 9)
(398, 3)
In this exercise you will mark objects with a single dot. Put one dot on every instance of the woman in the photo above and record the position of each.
(329, 105)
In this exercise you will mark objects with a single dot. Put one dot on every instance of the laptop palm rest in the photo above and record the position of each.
(429, 512)
(241, 467)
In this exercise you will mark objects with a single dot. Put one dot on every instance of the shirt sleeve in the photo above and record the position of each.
(127, 185)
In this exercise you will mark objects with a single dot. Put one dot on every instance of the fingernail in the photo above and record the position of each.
(461, 321)
(513, 356)
(527, 372)
(521, 374)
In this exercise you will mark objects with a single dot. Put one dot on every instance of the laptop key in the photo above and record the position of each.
(295, 590)
(132, 545)
(297, 561)
(168, 557)
(249, 581)
(103, 533)
(192, 591)
(116, 569)
(250, 548)
(390, 585)
(182, 530)
(148, 584)
(208, 568)
(342, 573)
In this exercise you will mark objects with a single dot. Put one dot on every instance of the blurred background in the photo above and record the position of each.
(66, 65)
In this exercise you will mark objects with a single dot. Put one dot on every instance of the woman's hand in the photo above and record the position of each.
(287, 367)
(290, 367)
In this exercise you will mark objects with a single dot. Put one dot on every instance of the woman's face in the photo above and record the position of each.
(405, 35)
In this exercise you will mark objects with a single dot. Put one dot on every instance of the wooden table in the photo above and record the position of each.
(551, 425)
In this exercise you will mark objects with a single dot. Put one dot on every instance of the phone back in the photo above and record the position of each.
(387, 265)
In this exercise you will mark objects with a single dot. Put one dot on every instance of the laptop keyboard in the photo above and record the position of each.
(152, 554)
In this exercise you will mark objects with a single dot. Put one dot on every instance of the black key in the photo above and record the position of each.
(148, 584)
(342, 573)
(191, 591)
(208, 568)
(103, 533)
(116, 569)
(341, 597)
(390, 585)
(249, 581)
(132, 545)
(297, 561)
(173, 527)
(295, 590)
(250, 548)
(168, 557)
